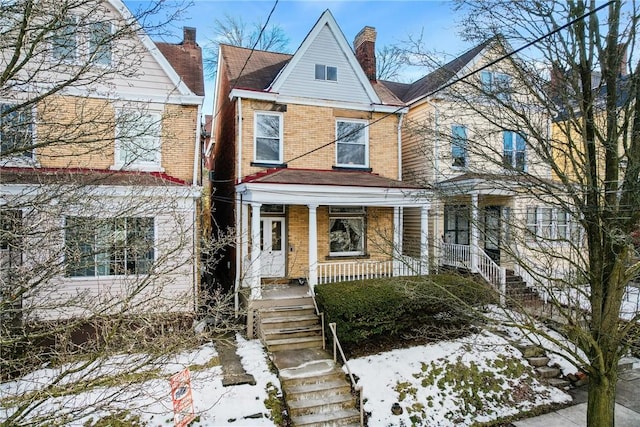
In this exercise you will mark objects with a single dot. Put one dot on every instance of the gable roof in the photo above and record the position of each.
(426, 85)
(327, 20)
(186, 60)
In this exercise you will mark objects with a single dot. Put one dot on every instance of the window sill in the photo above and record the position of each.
(342, 257)
(269, 165)
(139, 168)
(352, 168)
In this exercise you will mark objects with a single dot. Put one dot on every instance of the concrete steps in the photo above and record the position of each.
(537, 358)
(315, 389)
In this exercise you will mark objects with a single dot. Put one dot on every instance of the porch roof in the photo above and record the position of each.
(329, 187)
(484, 184)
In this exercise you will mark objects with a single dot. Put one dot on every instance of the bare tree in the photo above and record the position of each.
(99, 237)
(236, 32)
(551, 135)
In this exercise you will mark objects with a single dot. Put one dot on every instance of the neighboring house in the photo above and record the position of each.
(100, 181)
(308, 165)
(479, 161)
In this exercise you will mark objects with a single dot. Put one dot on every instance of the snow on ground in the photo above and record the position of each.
(433, 382)
(428, 381)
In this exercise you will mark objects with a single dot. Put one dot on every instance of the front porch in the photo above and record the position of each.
(326, 231)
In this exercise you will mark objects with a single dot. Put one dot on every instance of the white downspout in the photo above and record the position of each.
(436, 168)
(400, 146)
(239, 140)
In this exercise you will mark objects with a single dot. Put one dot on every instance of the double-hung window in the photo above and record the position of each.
(138, 140)
(268, 138)
(99, 39)
(352, 143)
(64, 40)
(459, 146)
(16, 136)
(109, 247)
(514, 155)
(551, 224)
(326, 72)
(496, 84)
(346, 231)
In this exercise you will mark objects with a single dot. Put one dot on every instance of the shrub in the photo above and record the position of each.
(371, 309)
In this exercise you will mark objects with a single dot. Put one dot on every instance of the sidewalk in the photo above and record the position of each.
(627, 406)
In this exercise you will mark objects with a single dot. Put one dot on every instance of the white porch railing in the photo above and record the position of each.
(344, 271)
(455, 255)
(493, 273)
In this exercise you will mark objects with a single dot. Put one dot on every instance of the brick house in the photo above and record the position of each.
(308, 164)
(101, 180)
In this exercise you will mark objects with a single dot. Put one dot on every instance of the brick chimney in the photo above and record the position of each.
(189, 36)
(365, 47)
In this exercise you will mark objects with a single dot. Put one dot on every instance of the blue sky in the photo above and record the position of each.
(394, 21)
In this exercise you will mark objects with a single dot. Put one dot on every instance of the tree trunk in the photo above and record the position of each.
(602, 399)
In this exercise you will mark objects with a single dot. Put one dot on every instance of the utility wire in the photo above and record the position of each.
(451, 83)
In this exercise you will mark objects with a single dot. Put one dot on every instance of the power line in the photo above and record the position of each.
(451, 83)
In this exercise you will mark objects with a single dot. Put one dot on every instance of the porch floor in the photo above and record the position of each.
(284, 291)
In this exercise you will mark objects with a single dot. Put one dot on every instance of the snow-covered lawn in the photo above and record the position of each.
(450, 383)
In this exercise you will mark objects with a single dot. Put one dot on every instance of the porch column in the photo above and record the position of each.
(475, 233)
(313, 247)
(396, 248)
(254, 276)
(424, 239)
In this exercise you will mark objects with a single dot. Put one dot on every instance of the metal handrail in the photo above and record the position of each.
(321, 315)
(356, 387)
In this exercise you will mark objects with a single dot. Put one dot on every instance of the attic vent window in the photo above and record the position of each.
(325, 72)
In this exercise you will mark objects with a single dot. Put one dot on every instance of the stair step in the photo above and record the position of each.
(626, 363)
(338, 418)
(328, 404)
(547, 372)
(530, 350)
(301, 320)
(287, 310)
(314, 390)
(295, 332)
(538, 361)
(294, 343)
(558, 382)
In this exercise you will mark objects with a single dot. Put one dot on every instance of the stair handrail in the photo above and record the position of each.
(500, 282)
(321, 315)
(354, 385)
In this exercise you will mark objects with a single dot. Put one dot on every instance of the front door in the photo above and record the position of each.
(272, 259)
(492, 226)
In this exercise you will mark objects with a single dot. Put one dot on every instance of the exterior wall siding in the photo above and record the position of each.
(326, 51)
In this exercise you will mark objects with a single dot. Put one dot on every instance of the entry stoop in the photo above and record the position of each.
(291, 324)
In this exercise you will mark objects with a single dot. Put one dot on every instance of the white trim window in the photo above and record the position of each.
(459, 146)
(16, 131)
(109, 247)
(546, 223)
(268, 143)
(497, 84)
(514, 154)
(326, 72)
(347, 231)
(64, 40)
(352, 143)
(138, 140)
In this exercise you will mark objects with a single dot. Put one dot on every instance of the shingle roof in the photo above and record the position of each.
(326, 177)
(437, 78)
(186, 59)
(249, 69)
(82, 176)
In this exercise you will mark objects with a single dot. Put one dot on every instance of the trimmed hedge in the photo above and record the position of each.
(367, 309)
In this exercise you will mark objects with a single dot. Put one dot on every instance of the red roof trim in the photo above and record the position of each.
(54, 171)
